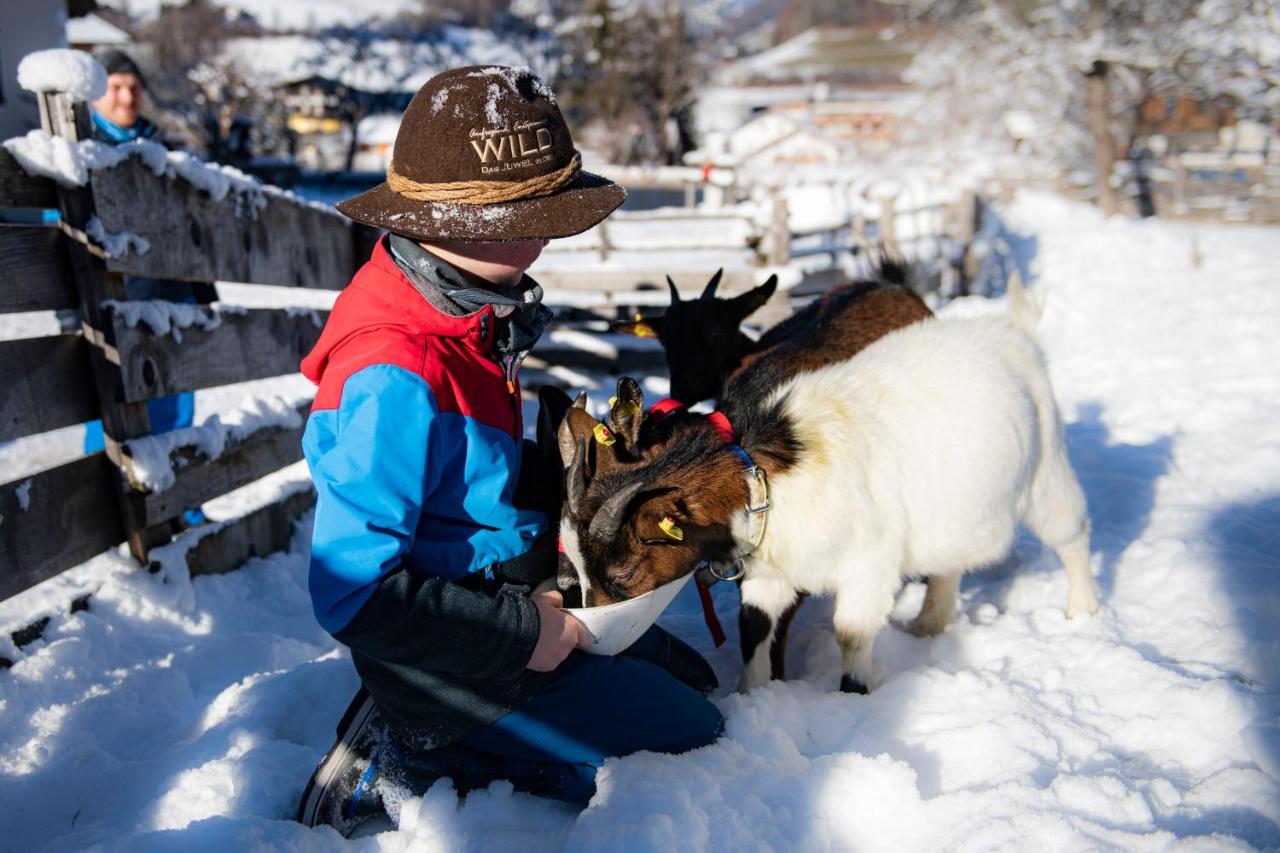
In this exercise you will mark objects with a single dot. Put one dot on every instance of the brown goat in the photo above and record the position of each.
(708, 354)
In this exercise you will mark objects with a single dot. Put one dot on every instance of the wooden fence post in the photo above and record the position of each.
(888, 225)
(778, 239)
(61, 116)
(604, 240)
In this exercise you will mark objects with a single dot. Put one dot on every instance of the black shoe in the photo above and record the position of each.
(341, 792)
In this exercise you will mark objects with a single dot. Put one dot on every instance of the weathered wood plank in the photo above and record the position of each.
(193, 237)
(18, 189)
(33, 271)
(690, 284)
(69, 517)
(253, 345)
(262, 532)
(48, 385)
(241, 463)
(621, 361)
(61, 116)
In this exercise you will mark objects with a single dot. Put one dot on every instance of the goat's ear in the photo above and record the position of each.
(662, 512)
(754, 299)
(641, 327)
(575, 425)
(627, 413)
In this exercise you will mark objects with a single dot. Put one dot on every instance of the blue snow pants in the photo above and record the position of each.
(597, 707)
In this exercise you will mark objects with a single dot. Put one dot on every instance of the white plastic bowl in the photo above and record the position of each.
(614, 627)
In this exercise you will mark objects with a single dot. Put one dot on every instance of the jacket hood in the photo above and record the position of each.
(381, 297)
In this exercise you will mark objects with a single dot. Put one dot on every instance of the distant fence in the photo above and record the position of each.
(108, 368)
(1191, 186)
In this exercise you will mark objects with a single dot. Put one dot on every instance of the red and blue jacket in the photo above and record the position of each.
(414, 445)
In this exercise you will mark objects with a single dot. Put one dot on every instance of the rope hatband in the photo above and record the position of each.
(485, 192)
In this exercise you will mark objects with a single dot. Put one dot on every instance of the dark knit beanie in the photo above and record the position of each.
(118, 62)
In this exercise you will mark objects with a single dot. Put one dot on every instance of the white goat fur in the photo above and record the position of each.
(922, 455)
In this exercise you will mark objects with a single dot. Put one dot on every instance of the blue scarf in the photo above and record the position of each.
(108, 131)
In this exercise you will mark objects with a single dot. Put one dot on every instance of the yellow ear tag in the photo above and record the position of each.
(613, 401)
(643, 329)
(603, 435)
(668, 526)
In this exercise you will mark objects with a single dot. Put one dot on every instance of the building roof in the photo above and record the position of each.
(869, 54)
(92, 30)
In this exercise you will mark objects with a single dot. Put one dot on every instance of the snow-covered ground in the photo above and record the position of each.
(179, 715)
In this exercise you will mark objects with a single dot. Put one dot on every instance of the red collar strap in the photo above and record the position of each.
(724, 429)
(717, 419)
(665, 406)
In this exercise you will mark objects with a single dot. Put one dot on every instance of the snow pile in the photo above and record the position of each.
(181, 713)
(69, 163)
(116, 245)
(152, 465)
(60, 70)
(23, 494)
(64, 161)
(163, 317)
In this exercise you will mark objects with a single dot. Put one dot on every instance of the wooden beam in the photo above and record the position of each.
(61, 116)
(690, 284)
(33, 271)
(625, 359)
(55, 520)
(262, 532)
(199, 479)
(285, 242)
(253, 345)
(18, 189)
(47, 385)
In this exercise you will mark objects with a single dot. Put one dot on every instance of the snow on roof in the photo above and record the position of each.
(380, 65)
(379, 129)
(93, 30)
(60, 70)
(285, 14)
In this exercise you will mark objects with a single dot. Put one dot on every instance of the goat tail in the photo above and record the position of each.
(1023, 308)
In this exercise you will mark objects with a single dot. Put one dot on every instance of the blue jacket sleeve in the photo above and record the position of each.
(374, 469)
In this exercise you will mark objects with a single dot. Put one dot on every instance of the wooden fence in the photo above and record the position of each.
(108, 369)
(1192, 186)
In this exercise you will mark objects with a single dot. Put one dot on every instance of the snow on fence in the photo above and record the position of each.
(183, 221)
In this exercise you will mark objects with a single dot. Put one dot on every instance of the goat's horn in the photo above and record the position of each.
(576, 486)
(608, 520)
(710, 292)
(675, 293)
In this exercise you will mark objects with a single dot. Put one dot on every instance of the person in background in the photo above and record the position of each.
(117, 119)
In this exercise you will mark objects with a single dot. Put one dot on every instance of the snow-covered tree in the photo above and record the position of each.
(1075, 73)
(630, 72)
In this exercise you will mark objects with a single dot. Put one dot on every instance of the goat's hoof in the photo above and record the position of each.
(1082, 605)
(927, 627)
(849, 684)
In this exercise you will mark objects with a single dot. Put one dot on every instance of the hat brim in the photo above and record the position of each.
(578, 206)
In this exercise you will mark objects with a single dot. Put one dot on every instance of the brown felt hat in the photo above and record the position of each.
(483, 154)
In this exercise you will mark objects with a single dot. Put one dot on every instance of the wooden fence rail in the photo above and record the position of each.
(197, 226)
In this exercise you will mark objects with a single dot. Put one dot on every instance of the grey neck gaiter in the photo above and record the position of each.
(522, 318)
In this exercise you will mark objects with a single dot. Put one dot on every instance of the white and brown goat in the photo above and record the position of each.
(919, 456)
(706, 352)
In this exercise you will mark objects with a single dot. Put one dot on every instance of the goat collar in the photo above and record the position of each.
(757, 485)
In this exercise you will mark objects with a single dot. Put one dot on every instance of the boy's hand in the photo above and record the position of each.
(560, 633)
